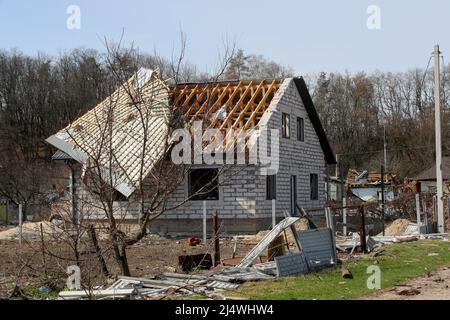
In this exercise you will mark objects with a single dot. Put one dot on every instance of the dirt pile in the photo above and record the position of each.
(301, 224)
(31, 231)
(397, 227)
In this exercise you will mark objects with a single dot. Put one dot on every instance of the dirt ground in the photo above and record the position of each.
(433, 286)
(151, 256)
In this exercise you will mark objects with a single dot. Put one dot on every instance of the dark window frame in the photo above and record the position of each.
(286, 125)
(271, 187)
(314, 186)
(300, 129)
(213, 194)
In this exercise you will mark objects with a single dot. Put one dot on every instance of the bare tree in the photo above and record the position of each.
(157, 177)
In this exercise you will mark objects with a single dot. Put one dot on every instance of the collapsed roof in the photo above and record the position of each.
(121, 121)
(144, 98)
(367, 178)
(227, 104)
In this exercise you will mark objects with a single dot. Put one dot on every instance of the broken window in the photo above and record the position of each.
(300, 129)
(271, 187)
(285, 125)
(314, 186)
(204, 184)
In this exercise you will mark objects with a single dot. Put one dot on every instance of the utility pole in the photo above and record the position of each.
(384, 144)
(437, 110)
(382, 197)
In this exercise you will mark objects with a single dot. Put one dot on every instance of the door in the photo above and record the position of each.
(294, 196)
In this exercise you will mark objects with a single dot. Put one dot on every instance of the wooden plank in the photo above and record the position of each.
(218, 102)
(236, 107)
(248, 105)
(190, 96)
(260, 104)
(237, 89)
(208, 100)
(180, 95)
(196, 104)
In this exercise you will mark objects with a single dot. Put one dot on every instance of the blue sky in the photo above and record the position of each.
(310, 36)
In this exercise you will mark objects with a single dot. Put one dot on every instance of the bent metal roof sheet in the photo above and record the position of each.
(120, 120)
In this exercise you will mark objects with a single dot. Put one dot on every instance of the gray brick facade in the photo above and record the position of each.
(242, 204)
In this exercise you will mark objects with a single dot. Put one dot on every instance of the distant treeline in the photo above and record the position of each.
(40, 95)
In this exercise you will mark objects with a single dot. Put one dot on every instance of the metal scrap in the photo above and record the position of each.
(264, 243)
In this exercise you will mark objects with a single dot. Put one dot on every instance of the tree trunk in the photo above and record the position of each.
(121, 258)
(96, 247)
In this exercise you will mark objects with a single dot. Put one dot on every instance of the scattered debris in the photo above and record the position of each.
(110, 293)
(31, 231)
(346, 274)
(266, 240)
(193, 241)
(409, 292)
(201, 261)
(277, 247)
(433, 254)
(159, 287)
(397, 227)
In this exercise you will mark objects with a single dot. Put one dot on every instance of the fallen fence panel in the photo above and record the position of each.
(318, 247)
(291, 265)
(264, 243)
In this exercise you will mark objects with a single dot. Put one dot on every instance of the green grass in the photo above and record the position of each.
(400, 263)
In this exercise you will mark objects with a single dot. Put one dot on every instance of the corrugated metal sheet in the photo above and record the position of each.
(81, 140)
(60, 155)
(264, 243)
(318, 247)
(291, 265)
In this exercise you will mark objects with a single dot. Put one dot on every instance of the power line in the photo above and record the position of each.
(425, 73)
(390, 150)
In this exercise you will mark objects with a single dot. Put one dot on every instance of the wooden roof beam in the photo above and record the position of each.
(194, 105)
(236, 107)
(218, 102)
(248, 105)
(261, 104)
(228, 102)
(180, 95)
(208, 100)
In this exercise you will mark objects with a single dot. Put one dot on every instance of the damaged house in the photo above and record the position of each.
(367, 185)
(426, 180)
(244, 195)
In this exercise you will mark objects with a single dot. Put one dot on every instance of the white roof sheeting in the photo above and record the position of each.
(88, 137)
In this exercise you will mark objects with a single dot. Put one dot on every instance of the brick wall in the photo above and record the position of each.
(299, 158)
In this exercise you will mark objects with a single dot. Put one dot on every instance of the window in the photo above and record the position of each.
(271, 187)
(203, 184)
(285, 125)
(300, 129)
(314, 186)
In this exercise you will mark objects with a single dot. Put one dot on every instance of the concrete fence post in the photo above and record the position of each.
(20, 223)
(204, 223)
(418, 208)
(344, 216)
(274, 214)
